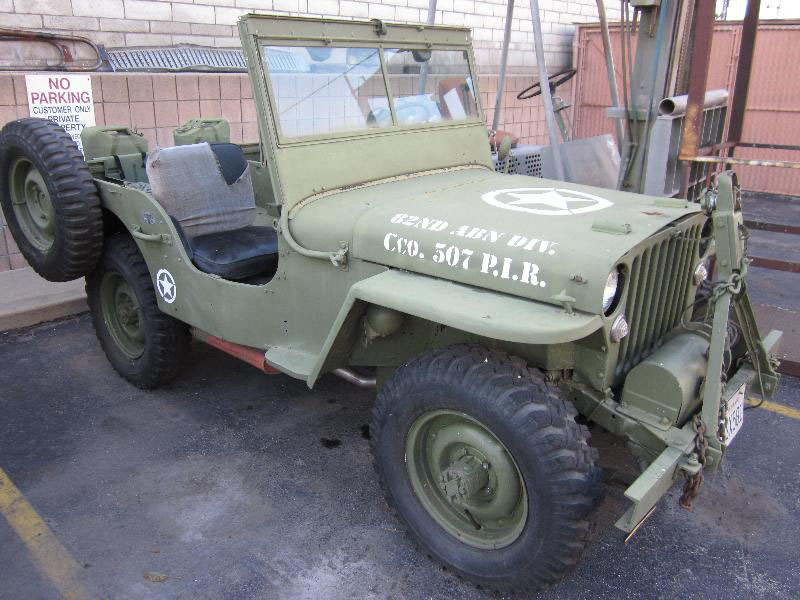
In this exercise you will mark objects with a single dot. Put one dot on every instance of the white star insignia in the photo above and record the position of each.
(166, 286)
(549, 198)
(546, 201)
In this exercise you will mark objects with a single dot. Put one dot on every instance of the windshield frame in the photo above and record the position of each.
(283, 140)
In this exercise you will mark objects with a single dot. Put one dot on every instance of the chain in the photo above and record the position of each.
(693, 482)
(734, 286)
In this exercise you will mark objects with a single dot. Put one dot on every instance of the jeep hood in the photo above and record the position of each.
(525, 236)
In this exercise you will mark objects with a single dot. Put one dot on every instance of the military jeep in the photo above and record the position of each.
(368, 235)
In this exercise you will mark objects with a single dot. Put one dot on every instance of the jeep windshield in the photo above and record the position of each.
(321, 90)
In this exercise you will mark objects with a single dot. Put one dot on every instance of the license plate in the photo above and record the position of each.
(734, 416)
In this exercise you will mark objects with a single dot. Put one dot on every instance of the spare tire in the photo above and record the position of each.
(49, 199)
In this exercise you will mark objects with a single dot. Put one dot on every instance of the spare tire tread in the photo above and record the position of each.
(78, 242)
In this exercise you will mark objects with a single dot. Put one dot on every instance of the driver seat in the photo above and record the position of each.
(207, 191)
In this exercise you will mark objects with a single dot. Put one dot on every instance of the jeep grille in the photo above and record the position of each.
(658, 286)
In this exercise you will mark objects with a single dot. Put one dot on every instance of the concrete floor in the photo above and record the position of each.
(238, 485)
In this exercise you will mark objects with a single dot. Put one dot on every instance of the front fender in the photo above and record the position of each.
(473, 310)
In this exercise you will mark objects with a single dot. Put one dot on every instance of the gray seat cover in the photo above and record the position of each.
(188, 183)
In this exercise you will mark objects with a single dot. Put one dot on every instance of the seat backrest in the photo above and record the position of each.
(205, 187)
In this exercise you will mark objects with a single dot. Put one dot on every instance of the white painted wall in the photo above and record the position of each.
(212, 22)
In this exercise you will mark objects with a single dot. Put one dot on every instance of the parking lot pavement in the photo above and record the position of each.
(233, 484)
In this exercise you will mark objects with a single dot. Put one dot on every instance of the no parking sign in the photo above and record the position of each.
(63, 99)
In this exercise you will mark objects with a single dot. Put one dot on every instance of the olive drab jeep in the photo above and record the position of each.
(368, 235)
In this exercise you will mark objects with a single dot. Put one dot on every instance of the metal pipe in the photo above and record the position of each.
(501, 77)
(675, 106)
(544, 84)
(355, 379)
(612, 79)
(423, 70)
(743, 69)
(252, 356)
(431, 12)
(747, 162)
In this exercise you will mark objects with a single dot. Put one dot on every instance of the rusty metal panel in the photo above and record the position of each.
(773, 112)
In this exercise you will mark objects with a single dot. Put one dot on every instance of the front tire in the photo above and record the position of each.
(142, 343)
(487, 467)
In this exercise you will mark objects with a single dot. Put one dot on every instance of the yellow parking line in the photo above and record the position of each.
(48, 553)
(781, 409)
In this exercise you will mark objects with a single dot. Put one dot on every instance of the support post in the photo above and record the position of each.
(431, 12)
(547, 97)
(423, 71)
(743, 69)
(702, 33)
(612, 79)
(501, 78)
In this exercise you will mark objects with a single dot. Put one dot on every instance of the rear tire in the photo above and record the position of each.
(49, 199)
(142, 343)
(522, 523)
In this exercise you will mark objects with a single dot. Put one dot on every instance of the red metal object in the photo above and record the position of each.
(250, 355)
(775, 264)
(747, 47)
(702, 32)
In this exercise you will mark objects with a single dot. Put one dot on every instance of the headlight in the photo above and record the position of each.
(700, 273)
(610, 290)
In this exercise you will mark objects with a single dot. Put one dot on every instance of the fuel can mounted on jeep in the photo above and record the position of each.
(368, 235)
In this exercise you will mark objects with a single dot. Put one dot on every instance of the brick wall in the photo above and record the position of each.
(212, 22)
(155, 104)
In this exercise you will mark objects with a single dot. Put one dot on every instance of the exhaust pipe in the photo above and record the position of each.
(255, 357)
(355, 379)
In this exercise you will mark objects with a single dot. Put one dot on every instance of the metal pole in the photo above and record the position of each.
(547, 97)
(423, 71)
(501, 78)
(702, 32)
(743, 69)
(612, 79)
(431, 12)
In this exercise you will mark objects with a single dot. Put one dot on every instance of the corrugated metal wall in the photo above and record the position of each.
(773, 107)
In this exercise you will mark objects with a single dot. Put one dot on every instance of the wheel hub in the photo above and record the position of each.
(121, 311)
(32, 204)
(464, 478)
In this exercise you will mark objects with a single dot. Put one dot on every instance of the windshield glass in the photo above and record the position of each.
(429, 86)
(320, 90)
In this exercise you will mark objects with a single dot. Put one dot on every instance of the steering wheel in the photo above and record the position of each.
(554, 80)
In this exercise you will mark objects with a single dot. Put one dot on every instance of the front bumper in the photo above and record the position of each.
(679, 455)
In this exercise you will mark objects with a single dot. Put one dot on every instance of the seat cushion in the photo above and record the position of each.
(236, 254)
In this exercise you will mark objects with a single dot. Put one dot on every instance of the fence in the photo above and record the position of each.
(773, 107)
